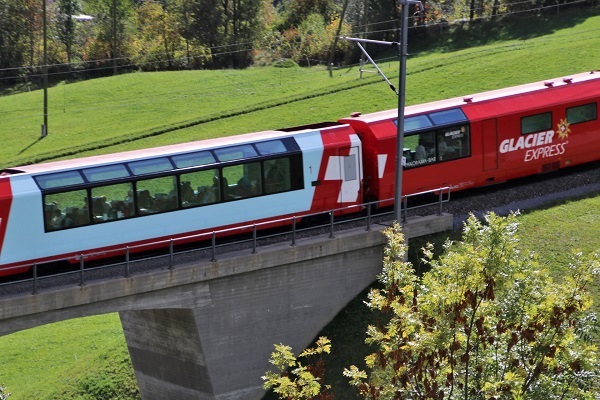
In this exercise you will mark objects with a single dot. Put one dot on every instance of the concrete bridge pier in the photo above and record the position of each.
(219, 348)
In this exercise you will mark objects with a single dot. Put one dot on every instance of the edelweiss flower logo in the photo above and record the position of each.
(563, 129)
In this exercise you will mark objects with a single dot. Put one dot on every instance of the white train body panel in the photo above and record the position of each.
(27, 240)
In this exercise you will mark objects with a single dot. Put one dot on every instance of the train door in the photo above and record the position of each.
(349, 170)
(490, 144)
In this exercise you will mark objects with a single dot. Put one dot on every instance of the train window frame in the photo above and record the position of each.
(203, 194)
(425, 148)
(242, 180)
(271, 147)
(574, 113)
(416, 154)
(64, 179)
(226, 154)
(447, 117)
(415, 123)
(78, 214)
(150, 166)
(120, 170)
(111, 209)
(539, 122)
(202, 158)
(149, 200)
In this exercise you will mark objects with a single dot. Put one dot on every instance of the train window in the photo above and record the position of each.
(277, 175)
(350, 168)
(584, 113)
(112, 202)
(271, 147)
(240, 181)
(415, 123)
(194, 159)
(453, 143)
(150, 166)
(448, 116)
(200, 187)
(59, 179)
(419, 149)
(105, 173)
(536, 123)
(66, 210)
(156, 195)
(235, 152)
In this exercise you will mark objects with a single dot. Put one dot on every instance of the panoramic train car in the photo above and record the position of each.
(483, 139)
(67, 208)
(64, 209)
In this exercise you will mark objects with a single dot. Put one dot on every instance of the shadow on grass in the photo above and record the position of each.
(38, 140)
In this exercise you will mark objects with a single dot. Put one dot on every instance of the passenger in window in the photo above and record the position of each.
(420, 152)
(187, 193)
(442, 147)
(244, 188)
(206, 195)
(53, 216)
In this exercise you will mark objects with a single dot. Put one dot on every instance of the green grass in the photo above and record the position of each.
(68, 360)
(87, 358)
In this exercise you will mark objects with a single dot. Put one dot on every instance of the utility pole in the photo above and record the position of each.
(401, 104)
(45, 71)
(403, 54)
(337, 33)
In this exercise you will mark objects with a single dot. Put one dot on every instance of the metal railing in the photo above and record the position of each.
(288, 226)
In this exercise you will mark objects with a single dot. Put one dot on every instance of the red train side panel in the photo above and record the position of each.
(5, 202)
(339, 181)
(568, 134)
(493, 136)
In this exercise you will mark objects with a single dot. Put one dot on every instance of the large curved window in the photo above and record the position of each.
(199, 188)
(128, 189)
(112, 202)
(66, 209)
(435, 146)
(156, 195)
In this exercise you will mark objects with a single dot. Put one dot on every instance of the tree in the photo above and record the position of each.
(484, 322)
(113, 31)
(234, 26)
(66, 25)
(295, 381)
(158, 41)
(20, 36)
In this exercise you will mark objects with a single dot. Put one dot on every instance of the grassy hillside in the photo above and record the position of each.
(87, 358)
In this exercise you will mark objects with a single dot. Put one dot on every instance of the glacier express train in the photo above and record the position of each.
(64, 209)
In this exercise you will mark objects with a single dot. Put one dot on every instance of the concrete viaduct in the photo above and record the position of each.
(205, 330)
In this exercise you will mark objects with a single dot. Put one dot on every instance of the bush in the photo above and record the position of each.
(285, 63)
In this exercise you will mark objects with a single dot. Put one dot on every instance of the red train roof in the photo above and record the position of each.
(529, 92)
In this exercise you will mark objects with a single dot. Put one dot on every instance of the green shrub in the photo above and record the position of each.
(285, 63)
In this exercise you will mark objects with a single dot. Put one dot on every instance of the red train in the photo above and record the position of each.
(62, 209)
